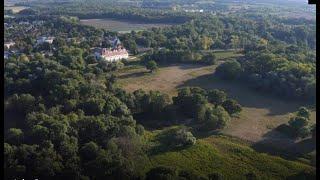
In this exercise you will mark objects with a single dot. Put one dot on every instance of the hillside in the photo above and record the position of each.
(220, 154)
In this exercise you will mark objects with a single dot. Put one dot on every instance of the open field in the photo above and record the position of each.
(120, 25)
(218, 154)
(261, 113)
(15, 9)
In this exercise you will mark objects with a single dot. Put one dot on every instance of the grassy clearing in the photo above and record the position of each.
(120, 25)
(15, 9)
(229, 156)
(261, 113)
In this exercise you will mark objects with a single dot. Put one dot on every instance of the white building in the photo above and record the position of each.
(112, 55)
(45, 39)
(24, 23)
(9, 44)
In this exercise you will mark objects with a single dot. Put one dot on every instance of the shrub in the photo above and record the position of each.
(303, 112)
(298, 122)
(229, 70)
(215, 176)
(151, 65)
(140, 129)
(184, 138)
(231, 106)
(161, 173)
(209, 59)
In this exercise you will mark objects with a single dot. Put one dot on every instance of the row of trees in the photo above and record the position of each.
(266, 71)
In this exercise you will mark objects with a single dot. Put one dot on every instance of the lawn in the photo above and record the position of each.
(15, 9)
(121, 26)
(229, 156)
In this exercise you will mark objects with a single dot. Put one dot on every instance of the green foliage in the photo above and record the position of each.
(14, 136)
(303, 112)
(229, 70)
(216, 97)
(299, 125)
(209, 59)
(161, 172)
(231, 106)
(184, 138)
(151, 65)
(298, 122)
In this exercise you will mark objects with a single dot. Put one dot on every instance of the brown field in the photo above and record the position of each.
(15, 9)
(261, 113)
(120, 25)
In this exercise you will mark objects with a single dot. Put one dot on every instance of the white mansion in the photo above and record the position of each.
(117, 52)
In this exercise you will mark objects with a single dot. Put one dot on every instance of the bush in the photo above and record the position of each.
(161, 173)
(14, 136)
(303, 112)
(216, 118)
(231, 106)
(298, 122)
(151, 65)
(215, 176)
(251, 176)
(140, 129)
(229, 70)
(184, 138)
(209, 59)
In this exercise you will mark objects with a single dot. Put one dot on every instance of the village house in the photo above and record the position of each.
(9, 44)
(24, 23)
(38, 23)
(43, 39)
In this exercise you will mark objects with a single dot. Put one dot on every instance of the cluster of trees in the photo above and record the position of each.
(166, 56)
(65, 119)
(212, 108)
(275, 72)
(299, 125)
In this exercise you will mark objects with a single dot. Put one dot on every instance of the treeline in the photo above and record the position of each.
(85, 10)
(290, 74)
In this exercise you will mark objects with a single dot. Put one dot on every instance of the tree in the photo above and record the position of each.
(89, 151)
(14, 136)
(216, 97)
(216, 118)
(231, 106)
(209, 59)
(184, 138)
(298, 122)
(151, 65)
(161, 173)
(215, 176)
(229, 70)
(303, 112)
(251, 176)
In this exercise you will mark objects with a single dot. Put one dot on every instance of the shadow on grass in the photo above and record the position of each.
(133, 75)
(245, 95)
(279, 144)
